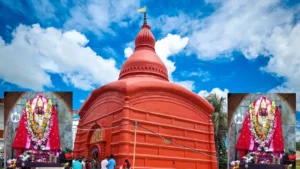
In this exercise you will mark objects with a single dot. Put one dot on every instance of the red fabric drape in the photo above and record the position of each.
(54, 137)
(278, 141)
(243, 142)
(20, 140)
(21, 135)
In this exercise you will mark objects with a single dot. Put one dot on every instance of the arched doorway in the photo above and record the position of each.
(95, 151)
(96, 145)
(238, 105)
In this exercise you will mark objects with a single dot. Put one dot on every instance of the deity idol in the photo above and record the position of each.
(261, 130)
(38, 127)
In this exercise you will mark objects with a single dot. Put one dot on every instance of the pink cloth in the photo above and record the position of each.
(246, 144)
(22, 139)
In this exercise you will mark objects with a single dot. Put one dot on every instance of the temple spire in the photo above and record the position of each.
(144, 61)
(145, 18)
(144, 10)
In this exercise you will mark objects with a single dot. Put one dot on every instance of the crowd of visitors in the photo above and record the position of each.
(107, 163)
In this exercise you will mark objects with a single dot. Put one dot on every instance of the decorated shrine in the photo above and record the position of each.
(36, 142)
(162, 109)
(260, 142)
(38, 128)
(261, 131)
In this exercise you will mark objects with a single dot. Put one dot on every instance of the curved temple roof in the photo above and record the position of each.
(144, 61)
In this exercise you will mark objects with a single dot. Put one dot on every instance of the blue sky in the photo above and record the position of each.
(208, 46)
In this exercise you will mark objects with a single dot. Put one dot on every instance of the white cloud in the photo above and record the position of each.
(255, 28)
(284, 45)
(268, 30)
(204, 75)
(42, 9)
(98, 16)
(219, 92)
(190, 85)
(81, 101)
(110, 51)
(287, 89)
(35, 51)
(167, 24)
(297, 136)
(128, 51)
(236, 26)
(168, 46)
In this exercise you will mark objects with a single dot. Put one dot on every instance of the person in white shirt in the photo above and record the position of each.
(104, 163)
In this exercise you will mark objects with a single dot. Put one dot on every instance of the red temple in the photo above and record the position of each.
(144, 94)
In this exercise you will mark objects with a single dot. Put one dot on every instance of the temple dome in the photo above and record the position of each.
(144, 61)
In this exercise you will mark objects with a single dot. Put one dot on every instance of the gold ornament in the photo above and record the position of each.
(97, 136)
(38, 130)
(262, 130)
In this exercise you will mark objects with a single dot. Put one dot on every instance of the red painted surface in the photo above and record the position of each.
(144, 94)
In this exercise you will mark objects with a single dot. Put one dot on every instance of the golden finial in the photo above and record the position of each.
(144, 10)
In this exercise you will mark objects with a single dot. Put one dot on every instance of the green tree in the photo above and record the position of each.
(219, 119)
(298, 146)
(222, 154)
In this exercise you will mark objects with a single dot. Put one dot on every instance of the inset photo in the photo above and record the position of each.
(298, 139)
(38, 129)
(262, 130)
(1, 133)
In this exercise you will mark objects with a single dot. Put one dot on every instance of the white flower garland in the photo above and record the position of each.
(269, 132)
(29, 121)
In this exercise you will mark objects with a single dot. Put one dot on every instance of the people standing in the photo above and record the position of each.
(126, 165)
(62, 157)
(111, 162)
(95, 164)
(104, 163)
(87, 164)
(83, 163)
(77, 164)
(90, 164)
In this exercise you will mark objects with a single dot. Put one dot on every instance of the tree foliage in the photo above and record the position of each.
(298, 146)
(219, 119)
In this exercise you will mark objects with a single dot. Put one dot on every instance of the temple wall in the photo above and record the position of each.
(103, 111)
(171, 117)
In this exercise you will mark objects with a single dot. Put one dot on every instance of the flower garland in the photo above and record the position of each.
(262, 134)
(39, 133)
(25, 156)
(11, 163)
(235, 164)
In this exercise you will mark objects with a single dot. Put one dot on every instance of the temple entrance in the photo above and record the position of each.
(96, 144)
(95, 153)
